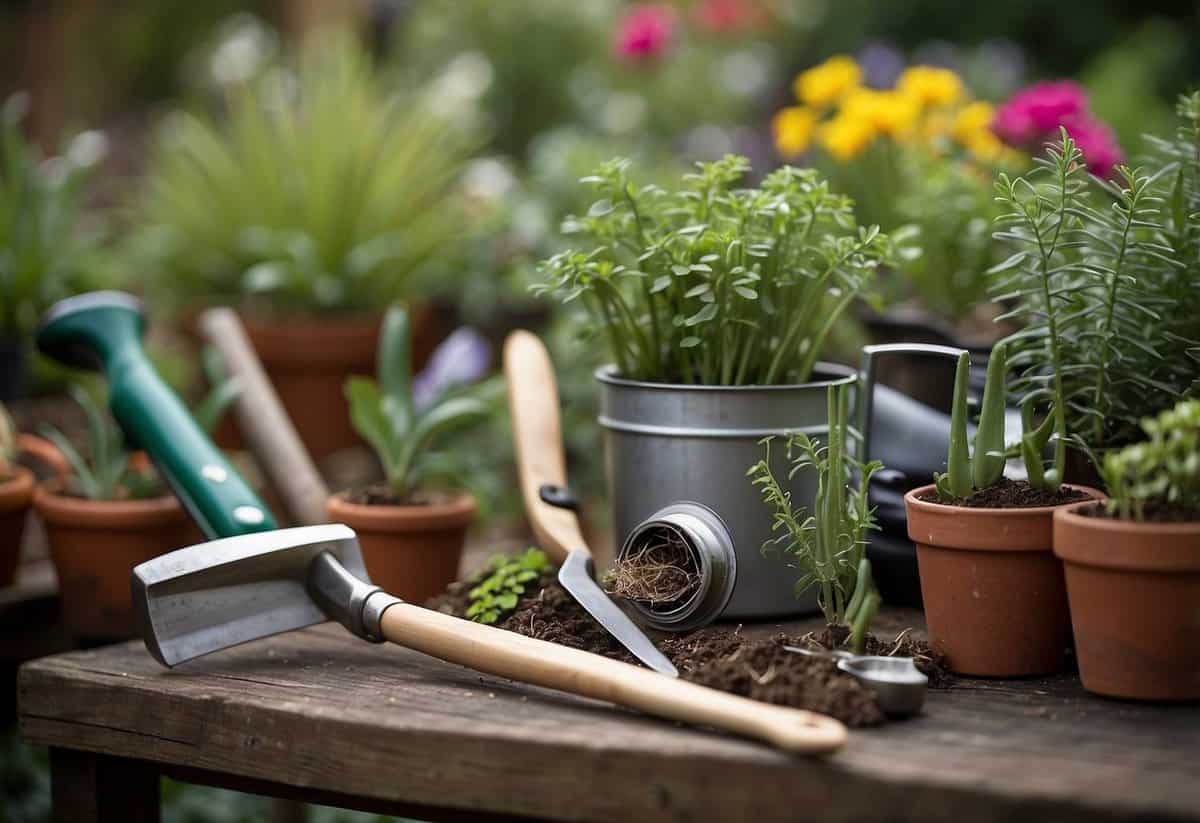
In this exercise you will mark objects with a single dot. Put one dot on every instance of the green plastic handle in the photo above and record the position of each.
(103, 330)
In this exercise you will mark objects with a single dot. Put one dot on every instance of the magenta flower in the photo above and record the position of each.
(1033, 116)
(1098, 144)
(644, 32)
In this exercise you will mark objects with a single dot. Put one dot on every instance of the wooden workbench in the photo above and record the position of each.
(320, 716)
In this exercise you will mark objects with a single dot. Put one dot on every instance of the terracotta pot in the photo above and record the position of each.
(96, 544)
(1134, 590)
(995, 600)
(15, 494)
(413, 552)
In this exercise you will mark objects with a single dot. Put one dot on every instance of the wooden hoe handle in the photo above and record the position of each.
(537, 436)
(514, 656)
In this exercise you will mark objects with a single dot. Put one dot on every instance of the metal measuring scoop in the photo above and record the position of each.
(897, 682)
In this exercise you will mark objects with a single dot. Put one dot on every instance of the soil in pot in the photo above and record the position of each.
(16, 492)
(995, 599)
(411, 547)
(1134, 590)
(96, 544)
(760, 669)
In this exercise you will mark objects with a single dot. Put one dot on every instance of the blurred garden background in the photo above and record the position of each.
(311, 161)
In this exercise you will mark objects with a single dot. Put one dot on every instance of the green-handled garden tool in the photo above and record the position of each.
(258, 580)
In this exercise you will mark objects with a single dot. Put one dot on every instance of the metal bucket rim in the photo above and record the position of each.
(607, 374)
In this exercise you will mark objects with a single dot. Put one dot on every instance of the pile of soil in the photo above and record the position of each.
(760, 669)
(1011, 494)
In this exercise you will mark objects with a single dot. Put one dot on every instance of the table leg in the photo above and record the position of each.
(97, 788)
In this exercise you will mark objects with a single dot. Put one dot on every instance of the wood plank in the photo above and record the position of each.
(320, 710)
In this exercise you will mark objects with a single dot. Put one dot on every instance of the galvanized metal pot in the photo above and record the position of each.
(666, 443)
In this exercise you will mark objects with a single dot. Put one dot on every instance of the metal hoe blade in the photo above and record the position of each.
(217, 594)
(576, 577)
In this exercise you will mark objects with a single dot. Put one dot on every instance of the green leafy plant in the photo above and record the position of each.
(1094, 281)
(498, 593)
(1160, 477)
(383, 413)
(223, 391)
(319, 188)
(828, 545)
(105, 472)
(715, 283)
(45, 244)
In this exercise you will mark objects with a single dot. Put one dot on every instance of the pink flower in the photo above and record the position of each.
(644, 32)
(1038, 110)
(1098, 144)
(1033, 116)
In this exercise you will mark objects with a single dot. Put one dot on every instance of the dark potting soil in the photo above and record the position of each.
(718, 658)
(381, 494)
(1156, 512)
(1011, 494)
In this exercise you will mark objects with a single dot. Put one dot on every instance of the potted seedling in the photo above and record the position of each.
(714, 301)
(411, 532)
(1133, 565)
(109, 514)
(827, 545)
(993, 591)
(309, 211)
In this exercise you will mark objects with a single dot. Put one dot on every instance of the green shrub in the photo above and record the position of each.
(715, 283)
(1160, 476)
(318, 189)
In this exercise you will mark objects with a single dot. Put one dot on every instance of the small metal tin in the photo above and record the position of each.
(705, 534)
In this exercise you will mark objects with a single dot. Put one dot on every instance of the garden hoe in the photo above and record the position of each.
(258, 581)
(537, 434)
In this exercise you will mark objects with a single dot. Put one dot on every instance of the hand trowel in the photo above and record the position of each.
(537, 434)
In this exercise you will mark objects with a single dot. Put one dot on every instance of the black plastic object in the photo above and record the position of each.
(559, 496)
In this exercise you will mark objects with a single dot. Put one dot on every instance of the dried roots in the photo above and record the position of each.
(660, 569)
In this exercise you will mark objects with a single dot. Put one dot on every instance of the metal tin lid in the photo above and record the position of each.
(704, 533)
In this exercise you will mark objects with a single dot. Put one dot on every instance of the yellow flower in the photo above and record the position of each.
(846, 137)
(930, 86)
(971, 120)
(825, 84)
(887, 112)
(793, 128)
(985, 146)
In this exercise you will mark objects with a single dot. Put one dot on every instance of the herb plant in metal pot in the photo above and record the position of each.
(714, 301)
(1133, 566)
(318, 196)
(411, 533)
(994, 597)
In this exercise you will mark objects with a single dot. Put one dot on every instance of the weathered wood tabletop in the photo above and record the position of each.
(321, 716)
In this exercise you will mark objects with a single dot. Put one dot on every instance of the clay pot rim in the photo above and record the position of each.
(62, 509)
(459, 510)
(16, 491)
(1175, 547)
(1027, 529)
(945, 509)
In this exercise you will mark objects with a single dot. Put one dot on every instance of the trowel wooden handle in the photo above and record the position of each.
(537, 436)
(507, 654)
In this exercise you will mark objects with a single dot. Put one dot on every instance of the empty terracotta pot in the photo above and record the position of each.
(1134, 590)
(995, 601)
(413, 551)
(95, 545)
(15, 495)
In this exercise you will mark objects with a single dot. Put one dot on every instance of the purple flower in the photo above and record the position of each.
(644, 32)
(881, 64)
(463, 357)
